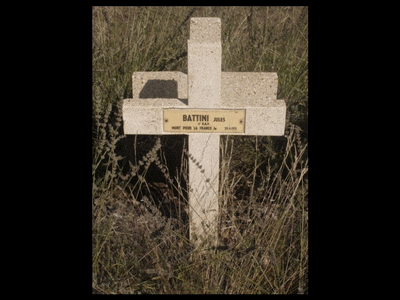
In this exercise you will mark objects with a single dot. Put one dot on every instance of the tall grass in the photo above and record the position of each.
(140, 227)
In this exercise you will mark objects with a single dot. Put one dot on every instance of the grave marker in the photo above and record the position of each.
(204, 104)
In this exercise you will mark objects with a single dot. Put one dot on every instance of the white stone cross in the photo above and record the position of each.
(204, 104)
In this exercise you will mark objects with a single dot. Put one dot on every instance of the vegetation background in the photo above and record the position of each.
(140, 228)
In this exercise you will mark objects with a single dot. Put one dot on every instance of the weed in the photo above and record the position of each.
(140, 241)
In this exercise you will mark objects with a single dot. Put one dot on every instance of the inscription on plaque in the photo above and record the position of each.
(200, 120)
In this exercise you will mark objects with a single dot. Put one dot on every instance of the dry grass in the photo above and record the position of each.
(140, 228)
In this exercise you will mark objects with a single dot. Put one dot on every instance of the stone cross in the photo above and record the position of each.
(204, 104)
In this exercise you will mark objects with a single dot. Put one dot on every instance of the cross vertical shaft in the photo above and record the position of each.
(204, 91)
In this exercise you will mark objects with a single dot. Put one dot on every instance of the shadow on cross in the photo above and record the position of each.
(158, 88)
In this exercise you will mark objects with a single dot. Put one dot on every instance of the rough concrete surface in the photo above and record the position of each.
(206, 88)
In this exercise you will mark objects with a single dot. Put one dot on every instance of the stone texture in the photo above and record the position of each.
(204, 80)
(205, 30)
(203, 193)
(208, 88)
(204, 63)
(269, 120)
(248, 88)
(204, 91)
(151, 92)
(155, 85)
(255, 92)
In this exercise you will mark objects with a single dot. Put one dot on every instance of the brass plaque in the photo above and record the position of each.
(202, 120)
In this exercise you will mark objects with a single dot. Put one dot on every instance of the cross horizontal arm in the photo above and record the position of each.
(155, 91)
(148, 119)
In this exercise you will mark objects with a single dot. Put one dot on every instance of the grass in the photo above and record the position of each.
(139, 221)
